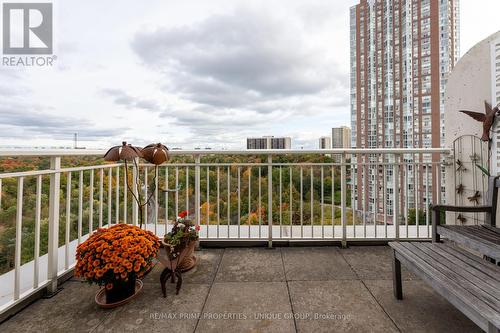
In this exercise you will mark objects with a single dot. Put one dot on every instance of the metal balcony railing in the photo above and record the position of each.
(337, 195)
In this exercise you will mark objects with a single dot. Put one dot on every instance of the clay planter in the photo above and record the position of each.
(184, 262)
(121, 293)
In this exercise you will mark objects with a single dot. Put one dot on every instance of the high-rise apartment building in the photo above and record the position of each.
(325, 142)
(401, 54)
(269, 142)
(341, 137)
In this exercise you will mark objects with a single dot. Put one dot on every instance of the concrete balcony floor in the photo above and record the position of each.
(259, 290)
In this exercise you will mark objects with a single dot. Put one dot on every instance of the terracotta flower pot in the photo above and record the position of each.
(185, 261)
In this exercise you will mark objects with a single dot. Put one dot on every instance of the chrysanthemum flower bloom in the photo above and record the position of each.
(116, 253)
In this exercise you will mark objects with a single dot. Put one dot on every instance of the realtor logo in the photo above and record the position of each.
(27, 28)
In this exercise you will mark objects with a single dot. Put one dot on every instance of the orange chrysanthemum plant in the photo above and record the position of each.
(114, 256)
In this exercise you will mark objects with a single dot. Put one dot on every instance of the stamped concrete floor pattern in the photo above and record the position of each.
(289, 289)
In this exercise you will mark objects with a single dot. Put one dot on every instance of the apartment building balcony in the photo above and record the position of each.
(285, 246)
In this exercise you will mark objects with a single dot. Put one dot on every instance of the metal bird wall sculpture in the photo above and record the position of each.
(475, 158)
(475, 197)
(461, 218)
(460, 166)
(487, 118)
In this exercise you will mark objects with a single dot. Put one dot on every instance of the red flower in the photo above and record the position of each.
(197, 228)
(183, 214)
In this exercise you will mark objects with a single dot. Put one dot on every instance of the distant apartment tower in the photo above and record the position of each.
(401, 54)
(341, 137)
(325, 142)
(269, 142)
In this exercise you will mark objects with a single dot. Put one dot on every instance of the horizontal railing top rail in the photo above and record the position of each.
(180, 152)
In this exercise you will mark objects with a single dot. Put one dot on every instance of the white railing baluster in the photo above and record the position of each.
(53, 246)
(117, 196)
(197, 190)
(177, 197)
(68, 221)
(218, 200)
(291, 202)
(270, 200)
(146, 196)
(38, 210)
(91, 202)
(228, 200)
(80, 207)
(395, 210)
(19, 233)
(110, 195)
(135, 190)
(208, 199)
(156, 201)
(406, 197)
(301, 202)
(281, 203)
(239, 201)
(166, 199)
(322, 203)
(375, 199)
(187, 188)
(312, 203)
(125, 194)
(101, 190)
(416, 191)
(249, 200)
(385, 199)
(343, 199)
(427, 217)
(260, 203)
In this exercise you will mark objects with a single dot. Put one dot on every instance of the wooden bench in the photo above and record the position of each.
(484, 239)
(466, 280)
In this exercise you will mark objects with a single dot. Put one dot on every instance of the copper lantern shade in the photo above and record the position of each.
(125, 152)
(155, 153)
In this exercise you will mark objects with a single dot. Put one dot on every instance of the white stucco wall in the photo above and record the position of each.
(469, 85)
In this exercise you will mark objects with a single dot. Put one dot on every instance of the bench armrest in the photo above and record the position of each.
(463, 209)
(436, 214)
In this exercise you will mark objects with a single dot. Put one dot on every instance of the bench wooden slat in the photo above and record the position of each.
(473, 260)
(478, 232)
(456, 277)
(474, 306)
(469, 265)
(487, 287)
(470, 240)
(492, 228)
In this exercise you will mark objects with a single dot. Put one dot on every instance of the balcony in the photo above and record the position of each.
(319, 199)
(293, 289)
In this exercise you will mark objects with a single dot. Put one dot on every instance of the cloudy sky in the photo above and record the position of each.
(193, 73)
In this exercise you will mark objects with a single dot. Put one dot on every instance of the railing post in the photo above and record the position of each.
(53, 237)
(343, 199)
(135, 206)
(270, 200)
(395, 186)
(197, 193)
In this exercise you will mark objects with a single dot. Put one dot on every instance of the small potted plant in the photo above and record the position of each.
(116, 258)
(177, 253)
(181, 241)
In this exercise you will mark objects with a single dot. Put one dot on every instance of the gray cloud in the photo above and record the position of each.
(33, 122)
(121, 97)
(238, 59)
